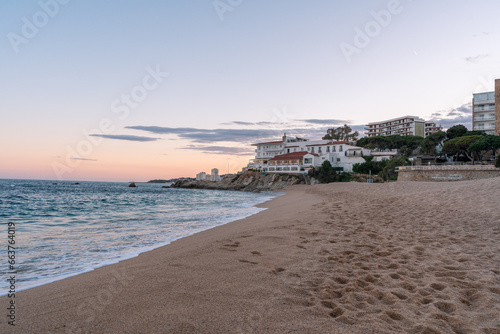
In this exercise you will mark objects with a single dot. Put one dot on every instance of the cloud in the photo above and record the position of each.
(209, 135)
(221, 150)
(475, 59)
(241, 123)
(454, 116)
(244, 136)
(126, 137)
(83, 159)
(484, 33)
(324, 121)
(297, 122)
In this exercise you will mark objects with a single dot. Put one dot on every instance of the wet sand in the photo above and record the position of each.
(404, 257)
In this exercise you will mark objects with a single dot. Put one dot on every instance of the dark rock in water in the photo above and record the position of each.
(132, 185)
(77, 183)
(165, 186)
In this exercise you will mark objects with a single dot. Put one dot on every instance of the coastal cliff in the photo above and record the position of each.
(248, 181)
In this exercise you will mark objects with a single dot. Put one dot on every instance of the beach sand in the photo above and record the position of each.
(403, 257)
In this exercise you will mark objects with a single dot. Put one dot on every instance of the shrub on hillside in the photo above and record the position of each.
(369, 165)
(389, 172)
(324, 174)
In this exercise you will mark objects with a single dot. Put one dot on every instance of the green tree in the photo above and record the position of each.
(485, 145)
(389, 172)
(342, 133)
(369, 165)
(456, 131)
(429, 144)
(461, 145)
(404, 143)
(475, 133)
(325, 173)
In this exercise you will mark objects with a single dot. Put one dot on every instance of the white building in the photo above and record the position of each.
(215, 175)
(201, 176)
(297, 155)
(486, 111)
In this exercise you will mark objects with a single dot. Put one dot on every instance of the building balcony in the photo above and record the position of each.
(484, 128)
(488, 118)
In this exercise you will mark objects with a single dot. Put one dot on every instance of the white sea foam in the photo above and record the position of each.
(65, 229)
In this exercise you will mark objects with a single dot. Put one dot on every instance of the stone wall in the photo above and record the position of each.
(440, 174)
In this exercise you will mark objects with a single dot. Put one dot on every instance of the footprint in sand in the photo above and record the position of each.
(445, 307)
(399, 295)
(231, 246)
(337, 312)
(438, 286)
(277, 270)
(394, 315)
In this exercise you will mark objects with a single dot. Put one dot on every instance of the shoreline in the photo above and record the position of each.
(133, 253)
(344, 258)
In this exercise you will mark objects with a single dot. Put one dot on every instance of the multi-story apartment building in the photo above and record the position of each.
(403, 126)
(486, 111)
(431, 127)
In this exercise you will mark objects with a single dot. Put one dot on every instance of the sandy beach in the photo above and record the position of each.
(402, 257)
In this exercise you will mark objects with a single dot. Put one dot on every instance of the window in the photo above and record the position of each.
(340, 148)
(312, 149)
(328, 149)
(333, 148)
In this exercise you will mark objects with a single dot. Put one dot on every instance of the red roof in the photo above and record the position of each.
(291, 156)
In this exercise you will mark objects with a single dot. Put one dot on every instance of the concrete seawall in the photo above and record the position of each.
(446, 173)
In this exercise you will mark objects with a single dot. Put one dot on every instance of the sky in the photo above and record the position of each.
(124, 90)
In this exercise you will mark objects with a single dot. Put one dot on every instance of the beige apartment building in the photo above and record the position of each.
(486, 111)
(403, 126)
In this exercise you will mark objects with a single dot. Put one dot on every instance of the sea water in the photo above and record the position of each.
(63, 228)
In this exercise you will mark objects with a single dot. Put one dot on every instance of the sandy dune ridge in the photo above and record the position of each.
(402, 257)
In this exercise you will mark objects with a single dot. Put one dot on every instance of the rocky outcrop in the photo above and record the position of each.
(248, 181)
(132, 185)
